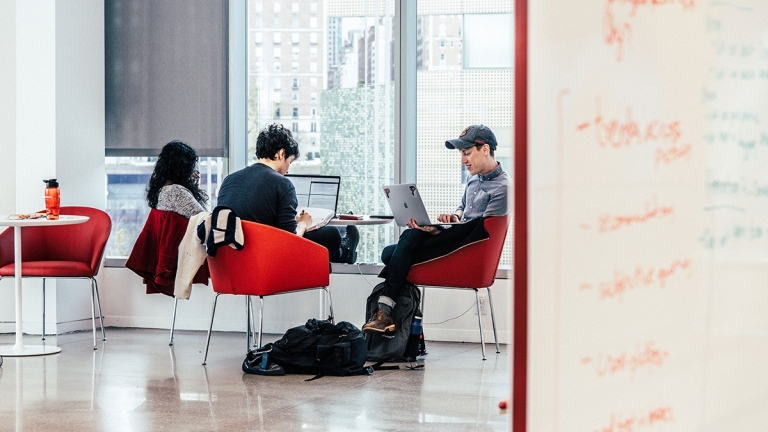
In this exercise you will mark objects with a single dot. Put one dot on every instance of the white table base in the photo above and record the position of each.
(29, 350)
(19, 350)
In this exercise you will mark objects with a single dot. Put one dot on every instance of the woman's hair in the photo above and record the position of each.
(273, 138)
(176, 164)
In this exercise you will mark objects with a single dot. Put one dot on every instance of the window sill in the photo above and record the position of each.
(363, 269)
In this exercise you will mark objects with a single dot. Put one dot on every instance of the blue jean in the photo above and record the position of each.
(399, 258)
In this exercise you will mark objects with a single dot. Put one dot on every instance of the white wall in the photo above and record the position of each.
(127, 305)
(52, 56)
(8, 103)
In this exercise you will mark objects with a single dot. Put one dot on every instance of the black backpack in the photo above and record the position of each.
(319, 347)
(400, 345)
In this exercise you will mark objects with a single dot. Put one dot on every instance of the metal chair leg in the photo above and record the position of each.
(480, 321)
(208, 342)
(101, 315)
(43, 308)
(330, 304)
(493, 320)
(93, 314)
(248, 323)
(423, 298)
(173, 321)
(253, 324)
(261, 317)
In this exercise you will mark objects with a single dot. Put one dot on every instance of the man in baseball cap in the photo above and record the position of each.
(485, 195)
(472, 136)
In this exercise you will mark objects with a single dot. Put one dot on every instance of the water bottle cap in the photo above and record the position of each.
(51, 183)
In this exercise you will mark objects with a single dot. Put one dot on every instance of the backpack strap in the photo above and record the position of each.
(366, 370)
(378, 366)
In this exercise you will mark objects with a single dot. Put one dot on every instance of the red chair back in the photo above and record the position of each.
(83, 243)
(472, 266)
(272, 261)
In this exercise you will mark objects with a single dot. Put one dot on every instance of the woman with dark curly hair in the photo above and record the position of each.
(173, 185)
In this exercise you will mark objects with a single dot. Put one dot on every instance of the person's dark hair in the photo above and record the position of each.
(176, 164)
(273, 138)
(480, 147)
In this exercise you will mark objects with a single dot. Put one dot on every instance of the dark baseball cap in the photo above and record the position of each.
(472, 136)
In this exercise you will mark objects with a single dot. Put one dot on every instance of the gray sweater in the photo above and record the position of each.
(260, 194)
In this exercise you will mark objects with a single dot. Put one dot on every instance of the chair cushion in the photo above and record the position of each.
(50, 269)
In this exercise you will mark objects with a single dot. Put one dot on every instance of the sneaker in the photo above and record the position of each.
(380, 323)
(349, 245)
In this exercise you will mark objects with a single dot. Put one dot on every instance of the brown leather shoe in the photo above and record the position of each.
(380, 323)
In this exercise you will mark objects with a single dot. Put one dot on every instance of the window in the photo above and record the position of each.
(277, 52)
(276, 66)
(276, 7)
(277, 83)
(294, 38)
(276, 23)
(257, 7)
(294, 8)
(258, 37)
(277, 37)
(295, 85)
(127, 178)
(357, 104)
(479, 79)
(295, 112)
(258, 54)
(295, 22)
(277, 112)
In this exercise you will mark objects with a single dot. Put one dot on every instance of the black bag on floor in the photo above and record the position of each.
(400, 345)
(318, 347)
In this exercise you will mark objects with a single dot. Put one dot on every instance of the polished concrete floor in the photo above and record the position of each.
(136, 382)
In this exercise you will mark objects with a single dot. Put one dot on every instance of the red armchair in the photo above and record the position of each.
(273, 261)
(451, 271)
(72, 252)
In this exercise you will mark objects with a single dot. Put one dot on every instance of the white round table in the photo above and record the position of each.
(19, 350)
(366, 220)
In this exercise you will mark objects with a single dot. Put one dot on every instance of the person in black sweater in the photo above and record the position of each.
(260, 193)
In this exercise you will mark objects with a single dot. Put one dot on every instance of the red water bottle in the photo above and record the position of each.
(52, 199)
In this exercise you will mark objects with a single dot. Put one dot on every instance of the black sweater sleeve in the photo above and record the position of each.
(286, 208)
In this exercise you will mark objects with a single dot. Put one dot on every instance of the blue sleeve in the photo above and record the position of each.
(463, 204)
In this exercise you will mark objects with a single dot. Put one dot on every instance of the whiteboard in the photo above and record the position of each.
(648, 210)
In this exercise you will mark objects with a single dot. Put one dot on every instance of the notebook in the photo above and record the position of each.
(405, 202)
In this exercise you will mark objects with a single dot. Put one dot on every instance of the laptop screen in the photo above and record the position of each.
(316, 190)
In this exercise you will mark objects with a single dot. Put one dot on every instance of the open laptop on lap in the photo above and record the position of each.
(405, 202)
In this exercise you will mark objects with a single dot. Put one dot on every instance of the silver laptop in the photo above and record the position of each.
(320, 191)
(405, 202)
